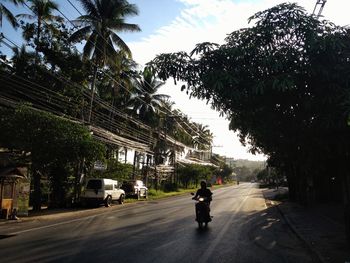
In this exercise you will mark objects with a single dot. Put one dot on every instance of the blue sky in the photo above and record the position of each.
(153, 14)
(177, 25)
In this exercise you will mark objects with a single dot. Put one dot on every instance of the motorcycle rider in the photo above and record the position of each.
(204, 192)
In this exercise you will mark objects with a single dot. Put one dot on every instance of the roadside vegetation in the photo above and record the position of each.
(52, 92)
(154, 194)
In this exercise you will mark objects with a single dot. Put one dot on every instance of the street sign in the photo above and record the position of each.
(100, 166)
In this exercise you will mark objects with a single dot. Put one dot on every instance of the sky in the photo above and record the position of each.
(178, 25)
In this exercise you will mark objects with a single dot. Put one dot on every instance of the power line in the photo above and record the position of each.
(98, 100)
(104, 39)
(55, 108)
(74, 7)
(2, 39)
(111, 77)
(60, 99)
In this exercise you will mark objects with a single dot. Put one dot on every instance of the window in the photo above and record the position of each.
(94, 184)
(108, 187)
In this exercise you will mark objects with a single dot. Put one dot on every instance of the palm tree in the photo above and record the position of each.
(7, 13)
(124, 72)
(203, 138)
(99, 28)
(23, 61)
(146, 103)
(42, 12)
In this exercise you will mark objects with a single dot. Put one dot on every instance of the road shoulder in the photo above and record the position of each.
(319, 227)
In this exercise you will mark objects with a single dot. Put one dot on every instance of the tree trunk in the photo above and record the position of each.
(291, 187)
(346, 201)
(302, 189)
(92, 92)
(37, 190)
(58, 178)
(77, 185)
(37, 41)
(156, 177)
(147, 169)
(134, 166)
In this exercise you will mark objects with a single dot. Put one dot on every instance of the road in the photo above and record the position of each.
(243, 230)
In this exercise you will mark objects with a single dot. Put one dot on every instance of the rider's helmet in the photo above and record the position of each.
(203, 184)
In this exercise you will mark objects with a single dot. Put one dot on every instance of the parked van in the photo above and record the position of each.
(135, 188)
(102, 191)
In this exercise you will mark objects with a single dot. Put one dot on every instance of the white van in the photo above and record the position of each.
(100, 190)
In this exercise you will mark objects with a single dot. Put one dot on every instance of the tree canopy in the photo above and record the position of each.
(284, 85)
(48, 138)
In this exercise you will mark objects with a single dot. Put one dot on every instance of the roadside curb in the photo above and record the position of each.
(7, 221)
(270, 203)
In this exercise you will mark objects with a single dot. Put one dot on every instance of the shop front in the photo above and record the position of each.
(14, 192)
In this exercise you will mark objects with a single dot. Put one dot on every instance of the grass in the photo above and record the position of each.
(159, 194)
(154, 194)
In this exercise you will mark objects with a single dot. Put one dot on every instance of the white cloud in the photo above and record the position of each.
(212, 20)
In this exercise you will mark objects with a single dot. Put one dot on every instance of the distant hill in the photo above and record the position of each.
(246, 170)
(250, 164)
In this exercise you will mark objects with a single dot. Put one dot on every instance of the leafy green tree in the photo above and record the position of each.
(99, 28)
(192, 174)
(284, 85)
(243, 173)
(42, 12)
(262, 176)
(51, 142)
(5, 12)
(225, 173)
(23, 61)
(60, 70)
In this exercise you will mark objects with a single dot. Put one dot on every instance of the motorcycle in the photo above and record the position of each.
(202, 211)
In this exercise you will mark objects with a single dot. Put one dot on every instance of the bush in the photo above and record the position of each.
(169, 187)
(192, 174)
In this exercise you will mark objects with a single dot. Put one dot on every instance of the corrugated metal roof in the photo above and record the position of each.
(109, 137)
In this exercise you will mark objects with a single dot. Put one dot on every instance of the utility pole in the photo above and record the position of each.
(319, 6)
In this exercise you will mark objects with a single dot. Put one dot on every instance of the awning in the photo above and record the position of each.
(109, 137)
(13, 173)
(196, 161)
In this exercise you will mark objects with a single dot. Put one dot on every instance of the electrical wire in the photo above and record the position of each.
(111, 77)
(105, 40)
(55, 96)
(50, 107)
(101, 102)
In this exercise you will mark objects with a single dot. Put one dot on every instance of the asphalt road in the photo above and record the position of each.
(243, 230)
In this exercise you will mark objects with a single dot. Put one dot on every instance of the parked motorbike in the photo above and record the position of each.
(202, 211)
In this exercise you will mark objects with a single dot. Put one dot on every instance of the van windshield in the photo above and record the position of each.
(94, 184)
